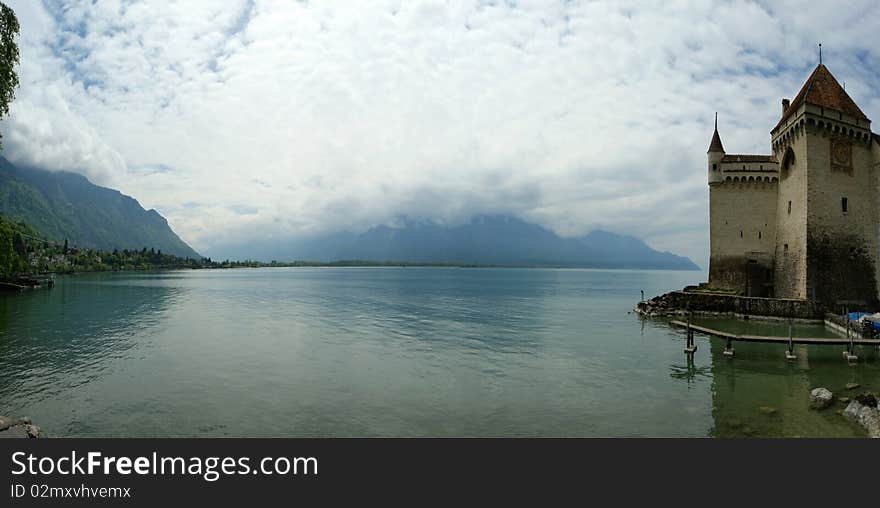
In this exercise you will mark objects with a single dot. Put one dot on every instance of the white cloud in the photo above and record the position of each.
(247, 119)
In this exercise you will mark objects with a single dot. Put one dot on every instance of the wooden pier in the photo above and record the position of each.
(849, 342)
(839, 341)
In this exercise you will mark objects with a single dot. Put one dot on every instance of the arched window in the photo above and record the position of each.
(788, 162)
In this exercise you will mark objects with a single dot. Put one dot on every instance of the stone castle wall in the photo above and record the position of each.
(742, 234)
(790, 274)
(841, 244)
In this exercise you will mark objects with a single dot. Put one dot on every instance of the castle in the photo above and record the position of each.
(802, 222)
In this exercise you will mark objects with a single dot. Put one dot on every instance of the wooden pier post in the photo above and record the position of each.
(789, 353)
(690, 348)
(850, 354)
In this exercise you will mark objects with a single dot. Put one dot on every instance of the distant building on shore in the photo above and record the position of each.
(804, 221)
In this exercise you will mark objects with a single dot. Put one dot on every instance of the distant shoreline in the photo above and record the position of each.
(360, 263)
(365, 264)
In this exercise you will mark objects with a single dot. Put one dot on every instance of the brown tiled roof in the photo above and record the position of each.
(748, 158)
(821, 89)
(715, 145)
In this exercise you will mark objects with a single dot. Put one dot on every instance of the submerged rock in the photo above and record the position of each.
(852, 386)
(820, 398)
(852, 410)
(767, 410)
(21, 428)
(867, 417)
(16, 431)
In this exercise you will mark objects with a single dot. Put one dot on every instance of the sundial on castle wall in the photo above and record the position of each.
(841, 156)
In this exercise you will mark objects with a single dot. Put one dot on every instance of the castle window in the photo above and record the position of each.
(740, 233)
(843, 204)
(714, 167)
(789, 207)
(759, 235)
(788, 162)
(785, 248)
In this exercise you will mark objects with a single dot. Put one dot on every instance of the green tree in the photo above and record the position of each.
(8, 57)
(7, 254)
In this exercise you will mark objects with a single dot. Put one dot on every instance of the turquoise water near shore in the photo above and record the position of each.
(395, 352)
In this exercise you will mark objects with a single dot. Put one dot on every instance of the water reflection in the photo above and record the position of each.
(52, 341)
(389, 352)
(760, 393)
(689, 372)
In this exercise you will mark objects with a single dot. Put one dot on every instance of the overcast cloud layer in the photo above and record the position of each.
(265, 119)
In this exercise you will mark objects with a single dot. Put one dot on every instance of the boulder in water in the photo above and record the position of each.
(820, 398)
(852, 410)
(867, 417)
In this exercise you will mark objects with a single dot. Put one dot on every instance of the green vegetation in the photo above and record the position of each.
(13, 248)
(25, 252)
(8, 57)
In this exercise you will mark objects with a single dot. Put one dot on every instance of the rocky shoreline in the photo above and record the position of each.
(19, 428)
(861, 409)
(703, 302)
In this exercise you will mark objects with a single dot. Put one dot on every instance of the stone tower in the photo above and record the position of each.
(827, 232)
(742, 219)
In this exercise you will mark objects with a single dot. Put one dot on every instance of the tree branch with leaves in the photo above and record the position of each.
(9, 30)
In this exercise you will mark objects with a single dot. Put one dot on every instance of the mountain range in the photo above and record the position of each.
(67, 206)
(484, 240)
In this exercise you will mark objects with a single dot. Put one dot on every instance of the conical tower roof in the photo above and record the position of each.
(823, 90)
(715, 145)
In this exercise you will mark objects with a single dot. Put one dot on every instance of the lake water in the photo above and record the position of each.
(394, 352)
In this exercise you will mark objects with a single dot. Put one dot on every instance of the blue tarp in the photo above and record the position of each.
(855, 316)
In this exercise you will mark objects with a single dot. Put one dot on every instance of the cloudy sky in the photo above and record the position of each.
(247, 120)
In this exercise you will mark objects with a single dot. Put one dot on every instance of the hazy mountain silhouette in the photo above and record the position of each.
(485, 240)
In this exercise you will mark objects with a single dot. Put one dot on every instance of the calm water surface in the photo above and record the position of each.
(394, 352)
